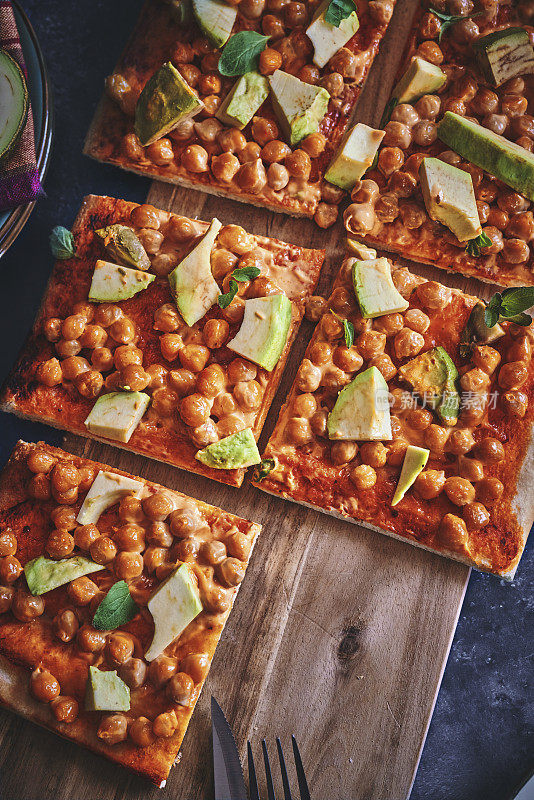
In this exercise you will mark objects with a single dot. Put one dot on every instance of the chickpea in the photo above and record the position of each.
(157, 375)
(277, 177)
(72, 327)
(215, 333)
(516, 403)
(459, 490)
(419, 419)
(26, 607)
(461, 441)
(134, 378)
(489, 490)
(158, 506)
(251, 176)
(113, 729)
(39, 487)
(470, 468)
(49, 372)
(230, 572)
(230, 424)
(453, 532)
(8, 544)
(231, 140)
(249, 395)
(486, 358)
(397, 134)
(429, 483)
(52, 329)
(161, 670)
(314, 144)
(213, 552)
(194, 357)
(65, 625)
(196, 665)
(85, 535)
(436, 438)
(103, 550)
(225, 167)
(320, 353)
(250, 152)
(272, 26)
(130, 537)
(186, 550)
(6, 598)
(476, 515)
(298, 430)
(43, 685)
(166, 723)
(495, 236)
(343, 452)
(194, 410)
(195, 159)
(513, 375)
(160, 152)
(515, 251)
(106, 314)
(363, 477)
(64, 518)
(89, 384)
(308, 377)
(90, 640)
(433, 295)
(82, 590)
(490, 451)
(475, 380)
(39, 461)
(128, 565)
(270, 61)
(428, 106)
(408, 343)
(64, 708)
(385, 365)
(119, 648)
(93, 336)
(298, 164)
(264, 130)
(180, 689)
(371, 343)
(132, 670)
(102, 359)
(345, 63)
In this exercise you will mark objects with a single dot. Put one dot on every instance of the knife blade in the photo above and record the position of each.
(227, 772)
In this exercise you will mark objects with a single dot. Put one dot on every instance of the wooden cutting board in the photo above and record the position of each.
(339, 635)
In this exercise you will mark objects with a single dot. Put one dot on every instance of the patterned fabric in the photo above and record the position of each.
(19, 177)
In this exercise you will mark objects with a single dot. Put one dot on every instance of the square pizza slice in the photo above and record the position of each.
(453, 182)
(411, 416)
(165, 336)
(259, 123)
(114, 592)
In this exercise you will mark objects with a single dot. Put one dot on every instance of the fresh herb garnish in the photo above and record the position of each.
(388, 111)
(244, 274)
(224, 300)
(62, 243)
(117, 608)
(510, 305)
(475, 245)
(338, 10)
(262, 469)
(348, 329)
(447, 20)
(241, 53)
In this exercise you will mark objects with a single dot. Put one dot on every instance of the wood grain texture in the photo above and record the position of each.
(339, 635)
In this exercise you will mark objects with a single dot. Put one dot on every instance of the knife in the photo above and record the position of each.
(227, 772)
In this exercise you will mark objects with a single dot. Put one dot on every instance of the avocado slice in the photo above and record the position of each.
(107, 489)
(15, 101)
(192, 284)
(477, 332)
(374, 288)
(299, 106)
(327, 39)
(263, 332)
(363, 252)
(111, 283)
(215, 19)
(434, 377)
(505, 160)
(105, 691)
(166, 100)
(173, 605)
(243, 100)
(233, 452)
(116, 415)
(361, 411)
(421, 77)
(124, 246)
(354, 156)
(504, 55)
(43, 574)
(414, 462)
(449, 198)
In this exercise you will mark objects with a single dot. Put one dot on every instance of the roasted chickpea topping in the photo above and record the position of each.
(133, 672)
(82, 590)
(10, 569)
(113, 729)
(161, 670)
(453, 532)
(103, 550)
(8, 544)
(429, 483)
(363, 476)
(26, 607)
(165, 724)
(196, 665)
(6, 598)
(43, 685)
(119, 648)
(66, 625)
(180, 689)
(64, 708)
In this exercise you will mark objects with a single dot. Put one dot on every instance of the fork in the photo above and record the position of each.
(304, 792)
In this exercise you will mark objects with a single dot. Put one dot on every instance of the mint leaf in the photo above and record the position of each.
(246, 274)
(520, 319)
(474, 245)
(62, 243)
(241, 53)
(348, 329)
(515, 301)
(388, 110)
(117, 608)
(493, 310)
(224, 300)
(447, 19)
(338, 10)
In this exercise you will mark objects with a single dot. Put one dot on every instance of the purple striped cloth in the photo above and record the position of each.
(19, 176)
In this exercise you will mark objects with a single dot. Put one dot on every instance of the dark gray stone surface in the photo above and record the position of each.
(479, 745)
